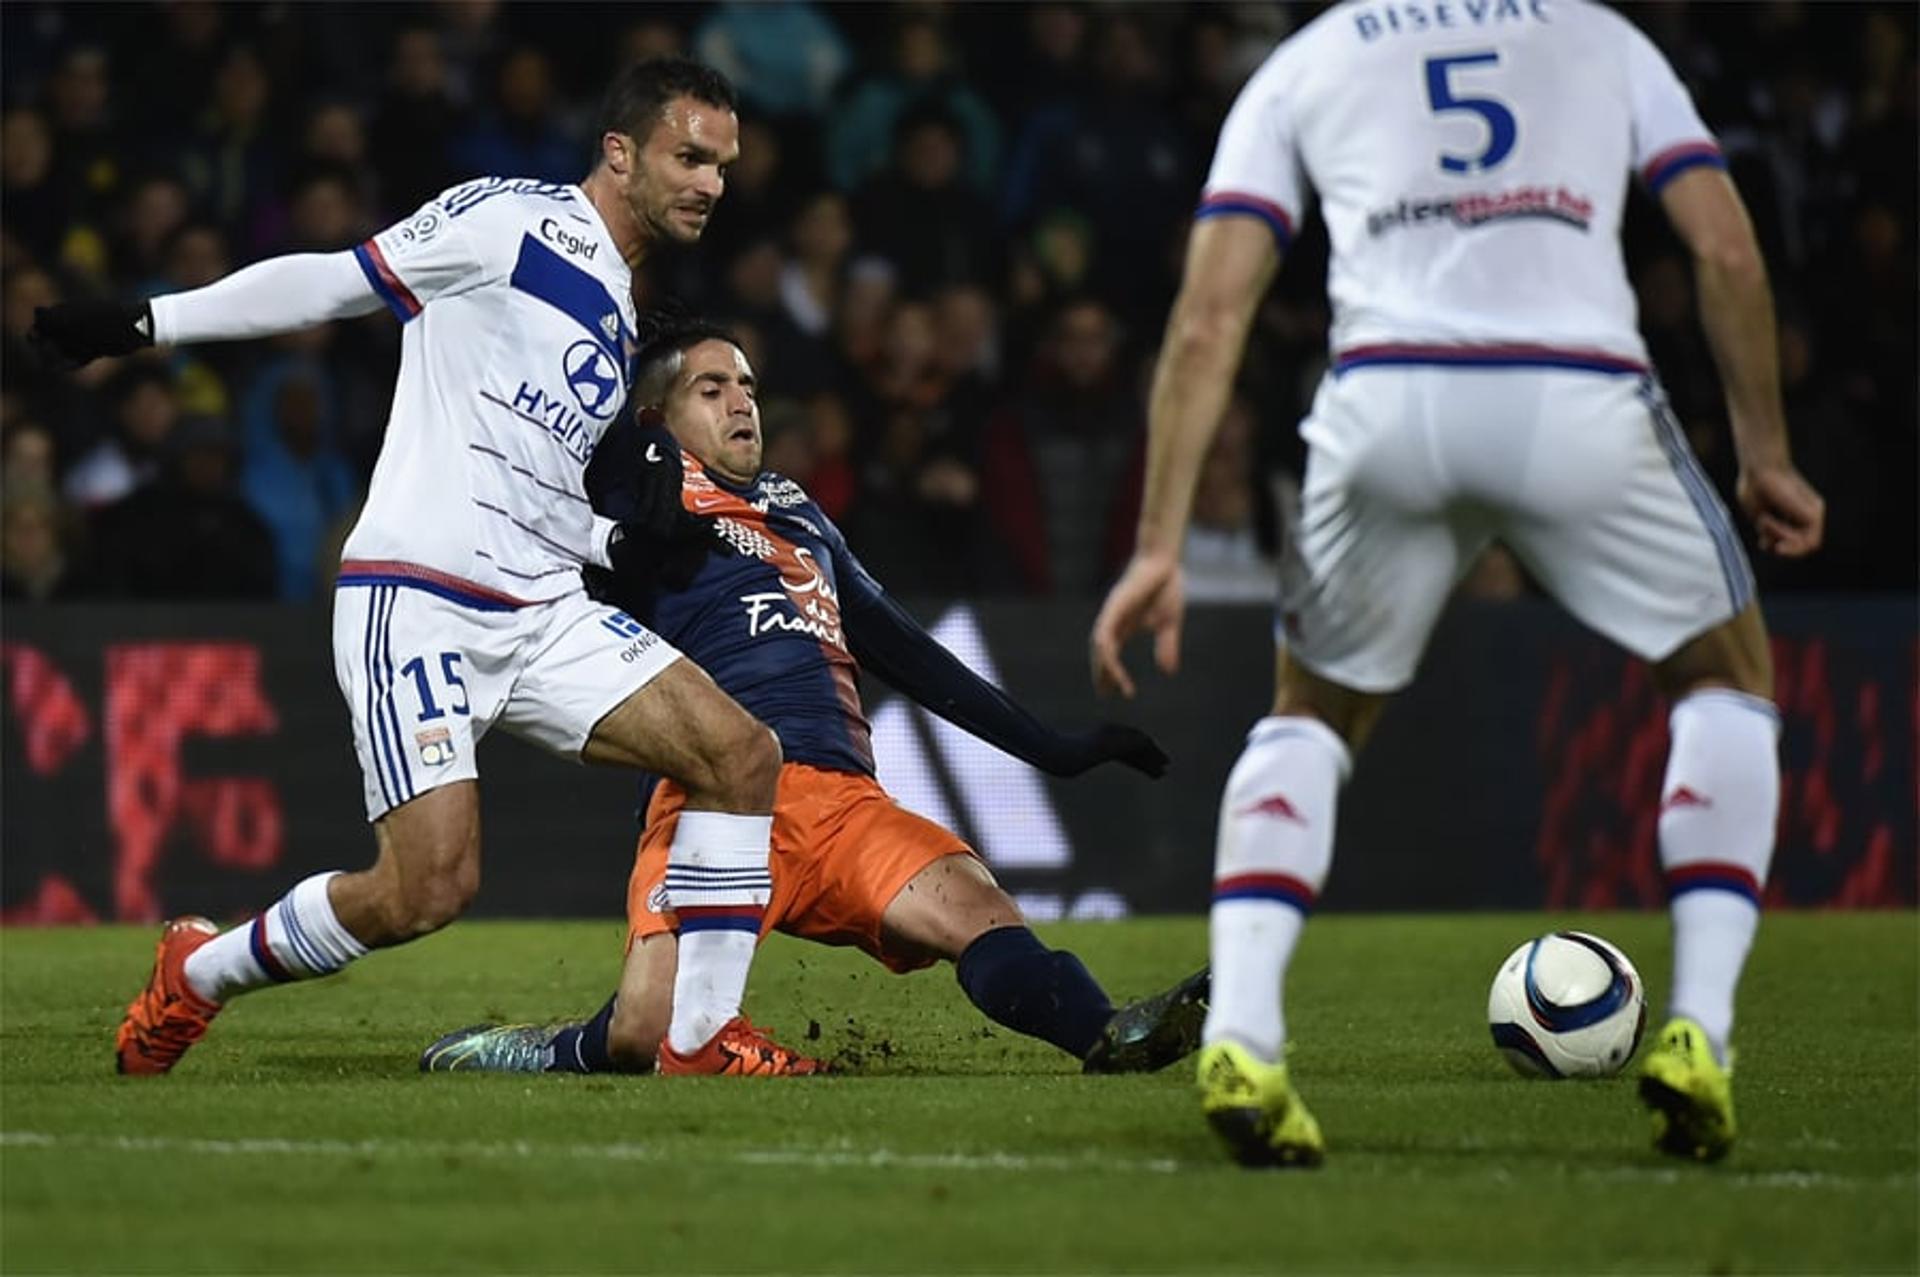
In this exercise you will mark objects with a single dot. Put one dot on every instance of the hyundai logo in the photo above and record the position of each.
(594, 378)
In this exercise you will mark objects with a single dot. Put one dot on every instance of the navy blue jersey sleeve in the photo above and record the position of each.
(856, 585)
(894, 647)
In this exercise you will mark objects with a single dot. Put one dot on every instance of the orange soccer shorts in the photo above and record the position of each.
(842, 850)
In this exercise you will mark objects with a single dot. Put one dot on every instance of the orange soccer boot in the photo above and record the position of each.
(168, 1016)
(739, 1050)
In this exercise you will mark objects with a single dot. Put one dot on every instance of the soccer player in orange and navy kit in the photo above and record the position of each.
(770, 601)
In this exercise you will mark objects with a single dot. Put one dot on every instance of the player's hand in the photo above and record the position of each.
(1788, 515)
(77, 333)
(1150, 595)
(643, 560)
(1113, 743)
(657, 505)
(660, 544)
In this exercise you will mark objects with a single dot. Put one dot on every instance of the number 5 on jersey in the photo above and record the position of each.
(1501, 128)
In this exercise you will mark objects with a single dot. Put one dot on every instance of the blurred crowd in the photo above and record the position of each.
(949, 246)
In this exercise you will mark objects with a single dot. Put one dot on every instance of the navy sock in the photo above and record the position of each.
(1044, 993)
(582, 1048)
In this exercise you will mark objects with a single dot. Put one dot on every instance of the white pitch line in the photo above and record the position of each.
(1756, 1179)
(874, 1159)
(879, 1159)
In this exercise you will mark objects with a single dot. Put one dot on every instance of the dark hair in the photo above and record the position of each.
(666, 334)
(638, 94)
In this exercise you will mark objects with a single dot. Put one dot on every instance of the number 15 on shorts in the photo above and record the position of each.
(435, 742)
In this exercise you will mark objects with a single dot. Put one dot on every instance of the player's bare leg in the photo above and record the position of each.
(953, 909)
(1301, 693)
(624, 1036)
(425, 874)
(946, 907)
(1734, 655)
(644, 1005)
(683, 726)
(1718, 804)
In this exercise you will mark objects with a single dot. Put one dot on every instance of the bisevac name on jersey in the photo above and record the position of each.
(1372, 21)
(1471, 159)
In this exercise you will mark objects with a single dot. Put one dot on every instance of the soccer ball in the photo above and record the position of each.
(1567, 1004)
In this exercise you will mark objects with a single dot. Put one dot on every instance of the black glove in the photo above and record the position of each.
(77, 333)
(658, 544)
(1111, 743)
(646, 558)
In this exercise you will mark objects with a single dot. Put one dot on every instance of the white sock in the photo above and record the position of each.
(299, 938)
(718, 885)
(1274, 847)
(1712, 932)
(1718, 806)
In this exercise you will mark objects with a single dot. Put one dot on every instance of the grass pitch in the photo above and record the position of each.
(299, 1138)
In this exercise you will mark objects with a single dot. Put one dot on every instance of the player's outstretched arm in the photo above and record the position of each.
(1230, 262)
(1736, 309)
(279, 295)
(891, 645)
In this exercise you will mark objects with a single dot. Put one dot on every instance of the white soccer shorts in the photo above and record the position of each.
(426, 677)
(1585, 476)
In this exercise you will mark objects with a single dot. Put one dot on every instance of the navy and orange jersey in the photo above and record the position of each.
(765, 621)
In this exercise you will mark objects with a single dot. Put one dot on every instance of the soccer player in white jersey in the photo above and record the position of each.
(1471, 158)
(459, 605)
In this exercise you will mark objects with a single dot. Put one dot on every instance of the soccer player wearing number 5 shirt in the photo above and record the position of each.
(459, 603)
(1487, 381)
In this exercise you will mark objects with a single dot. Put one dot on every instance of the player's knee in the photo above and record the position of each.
(980, 904)
(947, 906)
(425, 907)
(421, 903)
(448, 896)
(742, 766)
(760, 760)
(992, 912)
(1749, 672)
(1755, 683)
(1735, 655)
(1299, 693)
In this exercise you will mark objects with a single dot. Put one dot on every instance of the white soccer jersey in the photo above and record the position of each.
(518, 334)
(1471, 158)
